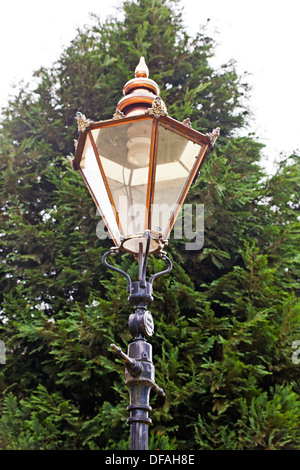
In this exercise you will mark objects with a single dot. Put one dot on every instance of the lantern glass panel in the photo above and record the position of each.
(96, 184)
(176, 157)
(124, 153)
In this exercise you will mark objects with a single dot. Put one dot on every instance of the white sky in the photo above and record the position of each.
(263, 36)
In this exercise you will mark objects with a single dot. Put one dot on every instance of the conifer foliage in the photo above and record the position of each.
(226, 318)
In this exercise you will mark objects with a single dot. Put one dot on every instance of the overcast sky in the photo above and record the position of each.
(263, 36)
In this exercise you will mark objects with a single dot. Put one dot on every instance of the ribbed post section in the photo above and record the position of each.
(139, 436)
(139, 392)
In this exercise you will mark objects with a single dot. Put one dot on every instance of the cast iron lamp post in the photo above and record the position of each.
(138, 167)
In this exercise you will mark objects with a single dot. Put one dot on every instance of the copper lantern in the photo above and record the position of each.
(139, 165)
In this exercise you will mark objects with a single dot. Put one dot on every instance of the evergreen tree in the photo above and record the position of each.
(227, 316)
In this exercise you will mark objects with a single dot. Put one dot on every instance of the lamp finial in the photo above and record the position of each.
(142, 69)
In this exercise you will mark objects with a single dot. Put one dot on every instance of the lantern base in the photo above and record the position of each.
(131, 243)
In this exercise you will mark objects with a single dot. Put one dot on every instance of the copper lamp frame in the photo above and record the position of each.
(166, 122)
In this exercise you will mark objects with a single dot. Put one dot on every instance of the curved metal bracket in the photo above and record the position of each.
(143, 260)
(113, 268)
(164, 256)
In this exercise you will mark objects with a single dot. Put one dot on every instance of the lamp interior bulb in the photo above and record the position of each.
(138, 144)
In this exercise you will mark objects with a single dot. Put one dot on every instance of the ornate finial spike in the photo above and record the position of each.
(142, 69)
(158, 108)
(70, 161)
(187, 122)
(82, 121)
(213, 136)
(118, 115)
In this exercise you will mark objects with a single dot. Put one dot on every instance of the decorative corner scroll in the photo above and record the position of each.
(118, 114)
(70, 161)
(187, 122)
(213, 136)
(82, 121)
(158, 108)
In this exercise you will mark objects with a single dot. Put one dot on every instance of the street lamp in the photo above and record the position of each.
(138, 167)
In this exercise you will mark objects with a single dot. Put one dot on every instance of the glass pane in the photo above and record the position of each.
(91, 171)
(176, 156)
(124, 152)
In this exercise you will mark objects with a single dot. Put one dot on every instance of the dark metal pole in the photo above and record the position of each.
(139, 371)
(139, 368)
